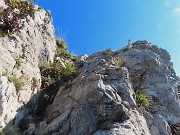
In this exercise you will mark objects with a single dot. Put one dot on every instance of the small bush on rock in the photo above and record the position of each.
(13, 18)
(2, 33)
(26, 8)
(6, 74)
(18, 63)
(69, 71)
(127, 49)
(57, 71)
(118, 62)
(17, 81)
(62, 51)
(48, 79)
(142, 99)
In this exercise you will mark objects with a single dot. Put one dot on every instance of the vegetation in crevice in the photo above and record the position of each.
(118, 62)
(14, 17)
(18, 63)
(56, 71)
(142, 99)
(10, 129)
(62, 50)
(59, 71)
(2, 33)
(17, 81)
(54, 75)
(127, 49)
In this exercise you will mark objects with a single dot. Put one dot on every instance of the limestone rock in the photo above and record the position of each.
(150, 70)
(3, 3)
(101, 99)
(136, 125)
(33, 46)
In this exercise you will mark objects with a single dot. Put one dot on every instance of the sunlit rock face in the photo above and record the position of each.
(32, 45)
(2, 3)
(150, 69)
(101, 100)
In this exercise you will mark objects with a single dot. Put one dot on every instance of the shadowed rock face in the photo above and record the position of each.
(175, 129)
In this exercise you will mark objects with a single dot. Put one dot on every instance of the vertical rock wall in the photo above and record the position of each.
(33, 45)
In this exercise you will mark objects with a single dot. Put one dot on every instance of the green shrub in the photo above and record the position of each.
(10, 129)
(48, 79)
(127, 49)
(10, 20)
(118, 62)
(57, 71)
(17, 81)
(2, 33)
(18, 63)
(6, 74)
(48, 74)
(62, 50)
(26, 8)
(43, 66)
(61, 43)
(70, 70)
(142, 99)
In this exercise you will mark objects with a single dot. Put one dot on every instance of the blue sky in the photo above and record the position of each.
(89, 26)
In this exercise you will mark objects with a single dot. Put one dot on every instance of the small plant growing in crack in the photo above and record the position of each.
(17, 81)
(118, 62)
(127, 49)
(142, 99)
(18, 63)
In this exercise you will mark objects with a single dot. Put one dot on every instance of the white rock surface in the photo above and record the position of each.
(33, 45)
(152, 71)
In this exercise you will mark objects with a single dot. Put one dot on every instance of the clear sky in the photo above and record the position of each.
(89, 26)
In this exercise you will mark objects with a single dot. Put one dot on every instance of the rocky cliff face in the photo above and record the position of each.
(102, 99)
(21, 53)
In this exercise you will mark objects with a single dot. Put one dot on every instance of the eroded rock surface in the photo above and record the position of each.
(32, 46)
(101, 100)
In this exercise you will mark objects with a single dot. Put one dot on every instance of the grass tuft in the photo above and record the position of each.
(142, 99)
(18, 63)
(118, 62)
(17, 81)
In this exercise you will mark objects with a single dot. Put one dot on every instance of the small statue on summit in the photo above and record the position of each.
(129, 42)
